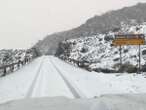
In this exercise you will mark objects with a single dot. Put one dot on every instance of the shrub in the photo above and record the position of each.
(84, 50)
(126, 50)
(105, 70)
(116, 59)
(108, 38)
(127, 67)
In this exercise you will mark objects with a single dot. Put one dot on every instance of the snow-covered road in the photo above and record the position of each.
(48, 82)
(48, 76)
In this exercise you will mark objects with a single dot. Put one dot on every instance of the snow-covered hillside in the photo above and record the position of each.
(48, 76)
(96, 52)
(13, 56)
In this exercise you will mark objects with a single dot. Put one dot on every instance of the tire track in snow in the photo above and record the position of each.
(31, 89)
(74, 90)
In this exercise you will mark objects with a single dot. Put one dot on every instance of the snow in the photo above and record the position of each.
(13, 56)
(107, 102)
(99, 52)
(16, 85)
(48, 76)
(95, 84)
(49, 82)
(36, 79)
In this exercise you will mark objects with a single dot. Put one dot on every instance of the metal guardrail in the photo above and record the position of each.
(11, 67)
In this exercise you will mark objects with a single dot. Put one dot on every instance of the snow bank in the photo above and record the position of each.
(94, 84)
(109, 102)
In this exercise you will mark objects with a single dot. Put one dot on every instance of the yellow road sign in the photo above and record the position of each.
(129, 39)
(126, 41)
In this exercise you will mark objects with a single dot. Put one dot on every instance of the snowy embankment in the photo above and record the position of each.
(107, 102)
(94, 84)
(48, 76)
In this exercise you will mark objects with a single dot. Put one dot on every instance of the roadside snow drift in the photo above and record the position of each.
(108, 102)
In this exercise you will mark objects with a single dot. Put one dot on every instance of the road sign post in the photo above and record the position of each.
(120, 56)
(139, 69)
(130, 39)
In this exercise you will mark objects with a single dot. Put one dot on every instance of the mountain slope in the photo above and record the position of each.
(97, 53)
(98, 24)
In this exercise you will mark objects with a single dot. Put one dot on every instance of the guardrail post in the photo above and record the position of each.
(12, 68)
(4, 72)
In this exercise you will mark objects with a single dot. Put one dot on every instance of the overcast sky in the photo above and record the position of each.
(24, 22)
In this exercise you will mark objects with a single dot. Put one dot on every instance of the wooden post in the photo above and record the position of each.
(139, 61)
(5, 71)
(12, 67)
(120, 56)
